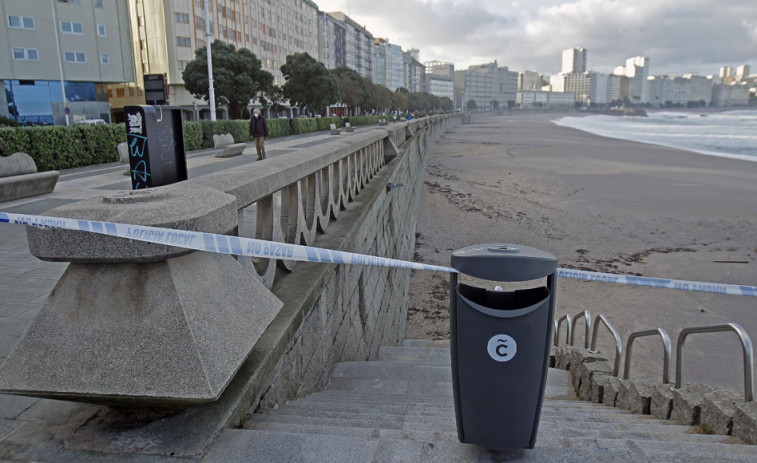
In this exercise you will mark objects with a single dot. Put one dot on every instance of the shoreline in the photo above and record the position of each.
(603, 204)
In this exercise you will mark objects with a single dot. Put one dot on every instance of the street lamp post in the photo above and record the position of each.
(60, 62)
(208, 36)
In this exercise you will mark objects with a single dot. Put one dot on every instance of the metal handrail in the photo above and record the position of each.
(618, 342)
(665, 357)
(746, 346)
(555, 327)
(567, 318)
(586, 315)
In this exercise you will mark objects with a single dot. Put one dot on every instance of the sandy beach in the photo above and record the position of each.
(598, 204)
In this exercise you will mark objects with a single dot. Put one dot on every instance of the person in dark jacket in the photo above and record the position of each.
(258, 131)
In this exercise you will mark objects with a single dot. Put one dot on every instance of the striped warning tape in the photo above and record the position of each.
(239, 246)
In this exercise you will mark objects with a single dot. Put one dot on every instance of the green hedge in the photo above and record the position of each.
(303, 125)
(364, 120)
(56, 148)
(192, 136)
(324, 123)
(279, 128)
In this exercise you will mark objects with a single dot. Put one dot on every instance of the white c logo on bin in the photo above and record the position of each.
(502, 348)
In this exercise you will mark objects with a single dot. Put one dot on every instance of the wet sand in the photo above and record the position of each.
(598, 204)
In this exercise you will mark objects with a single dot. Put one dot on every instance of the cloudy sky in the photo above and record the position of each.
(679, 36)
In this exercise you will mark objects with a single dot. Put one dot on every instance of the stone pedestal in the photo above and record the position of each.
(169, 328)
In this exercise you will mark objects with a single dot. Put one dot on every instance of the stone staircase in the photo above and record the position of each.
(400, 409)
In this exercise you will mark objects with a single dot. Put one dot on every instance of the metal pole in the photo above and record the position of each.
(60, 63)
(208, 36)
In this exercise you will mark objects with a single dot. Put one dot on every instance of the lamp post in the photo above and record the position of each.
(60, 62)
(208, 36)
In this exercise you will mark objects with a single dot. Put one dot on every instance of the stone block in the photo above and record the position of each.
(231, 150)
(718, 410)
(661, 405)
(221, 140)
(123, 152)
(17, 164)
(599, 384)
(578, 357)
(23, 186)
(171, 333)
(687, 404)
(635, 395)
(610, 396)
(745, 422)
(588, 372)
(562, 357)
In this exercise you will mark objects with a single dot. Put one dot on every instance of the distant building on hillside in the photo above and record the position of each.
(730, 95)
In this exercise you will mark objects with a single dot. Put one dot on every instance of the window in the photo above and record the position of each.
(181, 18)
(101, 30)
(70, 2)
(32, 54)
(20, 22)
(120, 93)
(98, 3)
(131, 91)
(183, 42)
(71, 27)
(75, 57)
(18, 53)
(110, 93)
(104, 58)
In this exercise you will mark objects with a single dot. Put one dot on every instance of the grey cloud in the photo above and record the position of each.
(678, 36)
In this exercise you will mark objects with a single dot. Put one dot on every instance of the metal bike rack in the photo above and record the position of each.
(558, 323)
(665, 357)
(618, 342)
(746, 346)
(586, 315)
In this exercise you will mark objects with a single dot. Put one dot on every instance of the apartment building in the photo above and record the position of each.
(359, 45)
(388, 67)
(529, 80)
(61, 54)
(414, 71)
(441, 86)
(530, 99)
(574, 61)
(332, 41)
(486, 83)
(440, 68)
(166, 34)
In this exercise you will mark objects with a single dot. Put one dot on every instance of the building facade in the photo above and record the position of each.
(617, 87)
(62, 55)
(388, 67)
(529, 80)
(358, 44)
(637, 71)
(530, 99)
(332, 41)
(724, 95)
(574, 61)
(440, 68)
(441, 86)
(166, 34)
(414, 72)
(487, 83)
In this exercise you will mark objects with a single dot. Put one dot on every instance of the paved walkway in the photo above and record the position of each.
(25, 282)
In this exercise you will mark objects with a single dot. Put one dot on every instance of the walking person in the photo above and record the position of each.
(259, 131)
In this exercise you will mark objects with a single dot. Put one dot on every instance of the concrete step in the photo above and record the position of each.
(275, 446)
(428, 355)
(391, 386)
(425, 343)
(549, 435)
(393, 370)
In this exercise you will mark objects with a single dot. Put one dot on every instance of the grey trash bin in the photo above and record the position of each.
(500, 344)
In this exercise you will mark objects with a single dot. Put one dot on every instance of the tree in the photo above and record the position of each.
(401, 99)
(308, 83)
(495, 105)
(381, 97)
(352, 88)
(273, 99)
(446, 103)
(471, 104)
(237, 76)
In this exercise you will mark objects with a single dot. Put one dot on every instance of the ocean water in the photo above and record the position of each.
(731, 134)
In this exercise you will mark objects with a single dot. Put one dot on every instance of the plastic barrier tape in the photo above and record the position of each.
(239, 246)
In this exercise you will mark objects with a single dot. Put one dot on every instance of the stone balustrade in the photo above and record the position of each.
(138, 323)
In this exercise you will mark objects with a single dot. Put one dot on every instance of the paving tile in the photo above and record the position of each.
(13, 405)
(13, 326)
(14, 309)
(8, 426)
(7, 343)
(49, 411)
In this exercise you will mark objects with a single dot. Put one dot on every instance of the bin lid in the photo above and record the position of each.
(504, 262)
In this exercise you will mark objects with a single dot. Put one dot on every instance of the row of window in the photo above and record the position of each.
(32, 54)
(98, 3)
(181, 18)
(67, 27)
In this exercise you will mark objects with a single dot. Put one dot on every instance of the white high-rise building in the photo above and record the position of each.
(574, 60)
(742, 72)
(388, 68)
(637, 71)
(529, 80)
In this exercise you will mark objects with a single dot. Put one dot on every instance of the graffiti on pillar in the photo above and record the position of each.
(136, 140)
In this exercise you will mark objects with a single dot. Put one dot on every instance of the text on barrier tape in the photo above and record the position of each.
(251, 247)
